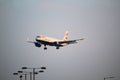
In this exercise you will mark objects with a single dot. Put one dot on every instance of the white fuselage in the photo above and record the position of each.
(49, 39)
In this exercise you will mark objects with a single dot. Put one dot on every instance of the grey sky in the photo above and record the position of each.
(92, 59)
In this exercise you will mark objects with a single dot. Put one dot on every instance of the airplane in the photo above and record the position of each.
(48, 41)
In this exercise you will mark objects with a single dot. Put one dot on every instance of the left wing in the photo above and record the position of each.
(30, 41)
(70, 41)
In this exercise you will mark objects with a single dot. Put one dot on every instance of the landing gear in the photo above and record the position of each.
(45, 48)
(57, 47)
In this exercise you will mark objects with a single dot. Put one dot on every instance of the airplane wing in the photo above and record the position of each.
(37, 44)
(31, 42)
(70, 41)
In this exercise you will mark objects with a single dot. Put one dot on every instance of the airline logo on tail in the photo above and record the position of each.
(65, 36)
(48, 41)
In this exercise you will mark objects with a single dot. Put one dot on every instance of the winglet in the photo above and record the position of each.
(82, 38)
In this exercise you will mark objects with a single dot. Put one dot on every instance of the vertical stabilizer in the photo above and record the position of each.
(65, 36)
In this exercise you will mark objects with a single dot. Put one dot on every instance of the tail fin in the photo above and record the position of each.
(65, 36)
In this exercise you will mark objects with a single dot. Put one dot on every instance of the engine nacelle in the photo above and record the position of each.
(37, 44)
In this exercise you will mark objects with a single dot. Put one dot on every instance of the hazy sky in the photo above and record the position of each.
(96, 57)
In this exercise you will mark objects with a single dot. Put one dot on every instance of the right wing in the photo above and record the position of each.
(70, 41)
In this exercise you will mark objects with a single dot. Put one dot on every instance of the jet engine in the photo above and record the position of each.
(37, 44)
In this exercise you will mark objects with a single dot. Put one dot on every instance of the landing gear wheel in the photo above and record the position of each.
(57, 47)
(45, 48)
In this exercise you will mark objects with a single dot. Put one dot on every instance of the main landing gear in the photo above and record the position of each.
(45, 48)
(57, 47)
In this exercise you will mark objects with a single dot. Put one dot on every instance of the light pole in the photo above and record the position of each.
(34, 70)
(30, 73)
(111, 77)
(21, 74)
(26, 73)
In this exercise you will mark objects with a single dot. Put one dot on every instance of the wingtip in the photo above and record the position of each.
(82, 38)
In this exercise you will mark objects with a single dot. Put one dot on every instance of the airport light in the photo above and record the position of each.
(43, 67)
(15, 73)
(19, 76)
(111, 77)
(24, 68)
(25, 73)
(29, 73)
(21, 73)
(41, 71)
(34, 70)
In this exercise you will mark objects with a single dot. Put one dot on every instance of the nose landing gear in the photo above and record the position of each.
(57, 47)
(45, 48)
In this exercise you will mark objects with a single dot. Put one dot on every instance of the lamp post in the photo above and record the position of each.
(34, 70)
(30, 73)
(25, 73)
(111, 77)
